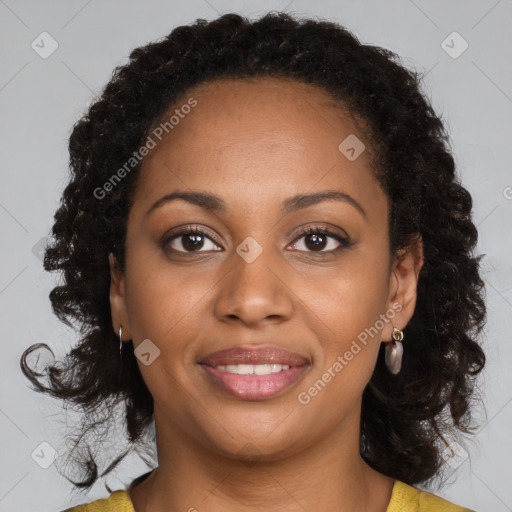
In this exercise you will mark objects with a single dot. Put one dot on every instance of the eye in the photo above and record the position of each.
(189, 239)
(321, 240)
(313, 239)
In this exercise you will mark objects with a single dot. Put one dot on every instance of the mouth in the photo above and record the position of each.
(254, 373)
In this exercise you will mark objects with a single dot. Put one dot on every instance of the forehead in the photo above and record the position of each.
(264, 135)
(283, 109)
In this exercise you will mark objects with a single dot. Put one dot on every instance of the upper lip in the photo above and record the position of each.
(254, 355)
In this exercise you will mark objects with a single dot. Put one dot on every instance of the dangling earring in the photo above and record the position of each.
(394, 352)
(120, 341)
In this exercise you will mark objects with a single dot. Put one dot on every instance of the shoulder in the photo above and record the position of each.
(118, 501)
(406, 498)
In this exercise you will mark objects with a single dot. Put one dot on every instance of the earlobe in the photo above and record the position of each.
(404, 282)
(118, 299)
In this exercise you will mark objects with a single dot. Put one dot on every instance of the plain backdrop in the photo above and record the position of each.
(41, 98)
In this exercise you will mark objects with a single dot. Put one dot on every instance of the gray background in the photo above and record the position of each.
(40, 99)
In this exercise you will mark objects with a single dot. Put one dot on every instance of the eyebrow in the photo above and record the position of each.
(213, 203)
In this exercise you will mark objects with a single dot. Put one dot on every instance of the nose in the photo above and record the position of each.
(254, 293)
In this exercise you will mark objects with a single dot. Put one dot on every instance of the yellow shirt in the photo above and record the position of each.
(404, 498)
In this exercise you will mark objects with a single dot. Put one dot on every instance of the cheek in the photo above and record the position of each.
(163, 307)
(344, 310)
(166, 304)
(348, 346)
(350, 298)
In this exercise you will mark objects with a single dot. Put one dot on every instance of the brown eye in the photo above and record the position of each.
(191, 239)
(320, 240)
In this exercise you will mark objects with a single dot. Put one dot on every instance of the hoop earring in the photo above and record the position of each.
(394, 351)
(120, 341)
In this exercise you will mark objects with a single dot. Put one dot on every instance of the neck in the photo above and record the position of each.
(329, 475)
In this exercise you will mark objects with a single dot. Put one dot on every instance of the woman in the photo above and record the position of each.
(270, 254)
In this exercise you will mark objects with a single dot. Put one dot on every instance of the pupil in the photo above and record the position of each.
(319, 241)
(193, 241)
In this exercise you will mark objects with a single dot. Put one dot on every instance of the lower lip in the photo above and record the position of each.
(255, 387)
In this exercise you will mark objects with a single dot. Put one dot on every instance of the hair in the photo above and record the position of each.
(406, 419)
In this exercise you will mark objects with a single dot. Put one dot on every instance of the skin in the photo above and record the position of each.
(255, 144)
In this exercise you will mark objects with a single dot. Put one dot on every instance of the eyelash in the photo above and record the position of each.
(322, 230)
(310, 230)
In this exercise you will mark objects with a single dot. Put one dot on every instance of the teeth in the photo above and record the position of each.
(253, 369)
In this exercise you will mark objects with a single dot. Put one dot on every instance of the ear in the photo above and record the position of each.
(403, 284)
(118, 307)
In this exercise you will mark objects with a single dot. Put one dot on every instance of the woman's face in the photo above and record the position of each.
(223, 308)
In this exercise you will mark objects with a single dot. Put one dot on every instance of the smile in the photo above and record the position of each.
(253, 386)
(253, 369)
(254, 373)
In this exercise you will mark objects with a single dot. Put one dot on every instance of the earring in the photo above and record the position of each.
(394, 351)
(120, 340)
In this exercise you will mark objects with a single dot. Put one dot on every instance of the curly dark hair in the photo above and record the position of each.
(407, 419)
